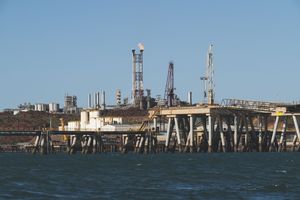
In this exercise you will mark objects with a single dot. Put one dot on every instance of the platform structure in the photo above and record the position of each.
(233, 126)
(286, 118)
(213, 128)
(139, 140)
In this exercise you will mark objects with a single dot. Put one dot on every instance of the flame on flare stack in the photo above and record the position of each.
(141, 46)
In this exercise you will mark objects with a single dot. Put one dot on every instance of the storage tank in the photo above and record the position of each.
(94, 114)
(73, 126)
(84, 117)
(53, 107)
(39, 107)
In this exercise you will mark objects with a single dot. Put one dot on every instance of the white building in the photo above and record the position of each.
(91, 120)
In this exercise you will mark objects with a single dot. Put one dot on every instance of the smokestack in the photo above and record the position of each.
(95, 100)
(190, 98)
(98, 99)
(90, 101)
(148, 98)
(103, 100)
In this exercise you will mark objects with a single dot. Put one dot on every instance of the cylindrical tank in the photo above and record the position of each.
(39, 107)
(84, 117)
(94, 114)
(53, 107)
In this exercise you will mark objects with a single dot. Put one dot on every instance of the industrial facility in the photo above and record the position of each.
(147, 125)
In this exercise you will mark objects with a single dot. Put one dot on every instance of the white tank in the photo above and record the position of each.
(53, 107)
(73, 126)
(94, 114)
(38, 107)
(41, 107)
(84, 117)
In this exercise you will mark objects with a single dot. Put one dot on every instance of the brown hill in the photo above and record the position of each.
(30, 121)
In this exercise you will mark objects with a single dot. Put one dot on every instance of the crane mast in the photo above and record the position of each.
(208, 78)
(169, 89)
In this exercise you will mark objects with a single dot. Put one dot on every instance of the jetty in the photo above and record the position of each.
(233, 126)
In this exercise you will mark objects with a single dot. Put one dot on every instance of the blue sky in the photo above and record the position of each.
(49, 48)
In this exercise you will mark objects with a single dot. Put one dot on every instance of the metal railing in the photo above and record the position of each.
(251, 105)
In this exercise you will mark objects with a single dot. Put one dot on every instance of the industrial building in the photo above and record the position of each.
(96, 120)
(70, 104)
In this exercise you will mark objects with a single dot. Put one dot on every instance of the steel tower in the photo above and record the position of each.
(169, 89)
(137, 73)
(208, 78)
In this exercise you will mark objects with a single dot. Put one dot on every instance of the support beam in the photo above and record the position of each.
(210, 133)
(177, 134)
(229, 135)
(125, 144)
(43, 144)
(94, 143)
(169, 133)
(141, 144)
(36, 144)
(146, 144)
(282, 141)
(137, 143)
(297, 129)
(246, 145)
(266, 134)
(253, 136)
(191, 134)
(235, 137)
(294, 142)
(222, 135)
(190, 139)
(272, 144)
(241, 127)
(260, 133)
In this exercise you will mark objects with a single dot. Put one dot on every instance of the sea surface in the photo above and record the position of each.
(159, 176)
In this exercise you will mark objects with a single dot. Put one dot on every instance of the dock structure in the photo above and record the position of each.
(234, 126)
(103, 141)
(140, 141)
(286, 116)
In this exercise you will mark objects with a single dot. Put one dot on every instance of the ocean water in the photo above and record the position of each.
(160, 176)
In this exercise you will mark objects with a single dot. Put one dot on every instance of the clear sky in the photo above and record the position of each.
(49, 48)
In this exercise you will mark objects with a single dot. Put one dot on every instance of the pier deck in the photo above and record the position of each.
(224, 128)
